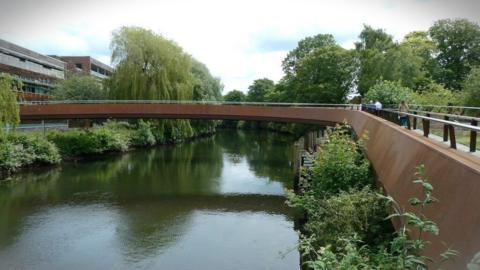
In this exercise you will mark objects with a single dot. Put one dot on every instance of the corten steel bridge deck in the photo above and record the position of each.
(393, 151)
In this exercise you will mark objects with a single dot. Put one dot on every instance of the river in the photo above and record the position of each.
(215, 203)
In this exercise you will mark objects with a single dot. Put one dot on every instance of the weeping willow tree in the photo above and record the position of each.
(150, 67)
(9, 110)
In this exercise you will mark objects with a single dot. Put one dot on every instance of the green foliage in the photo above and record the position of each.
(345, 224)
(99, 140)
(371, 50)
(24, 150)
(317, 70)
(340, 165)
(423, 46)
(260, 90)
(148, 67)
(9, 109)
(458, 44)
(359, 212)
(235, 96)
(304, 48)
(205, 86)
(472, 88)
(143, 135)
(324, 76)
(389, 93)
(436, 94)
(80, 87)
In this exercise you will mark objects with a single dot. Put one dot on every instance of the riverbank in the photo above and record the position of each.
(25, 150)
(347, 224)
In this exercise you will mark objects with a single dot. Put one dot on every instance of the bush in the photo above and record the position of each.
(389, 93)
(24, 150)
(340, 165)
(143, 135)
(87, 142)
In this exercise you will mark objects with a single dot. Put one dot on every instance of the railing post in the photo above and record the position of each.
(414, 121)
(473, 137)
(409, 126)
(445, 129)
(453, 142)
(426, 126)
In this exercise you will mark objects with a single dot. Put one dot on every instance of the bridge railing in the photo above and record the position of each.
(448, 123)
(197, 102)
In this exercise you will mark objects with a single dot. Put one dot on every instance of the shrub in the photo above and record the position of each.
(23, 150)
(87, 142)
(340, 165)
(143, 135)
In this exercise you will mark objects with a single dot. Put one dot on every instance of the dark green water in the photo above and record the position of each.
(215, 203)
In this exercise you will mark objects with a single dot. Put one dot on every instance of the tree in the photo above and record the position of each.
(235, 96)
(423, 46)
(305, 47)
(205, 86)
(80, 87)
(371, 50)
(324, 76)
(150, 67)
(9, 109)
(458, 43)
(472, 88)
(389, 93)
(260, 90)
(403, 65)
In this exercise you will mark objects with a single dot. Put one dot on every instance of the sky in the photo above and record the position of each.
(239, 41)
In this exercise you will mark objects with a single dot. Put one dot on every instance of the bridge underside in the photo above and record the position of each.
(393, 151)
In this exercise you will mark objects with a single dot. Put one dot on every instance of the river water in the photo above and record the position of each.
(215, 203)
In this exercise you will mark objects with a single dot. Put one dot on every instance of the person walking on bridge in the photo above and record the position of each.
(402, 109)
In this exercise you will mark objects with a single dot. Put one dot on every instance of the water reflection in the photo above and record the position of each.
(216, 203)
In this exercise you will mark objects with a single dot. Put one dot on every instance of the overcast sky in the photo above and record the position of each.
(239, 41)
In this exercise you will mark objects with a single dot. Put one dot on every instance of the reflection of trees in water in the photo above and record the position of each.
(268, 154)
(139, 175)
(155, 190)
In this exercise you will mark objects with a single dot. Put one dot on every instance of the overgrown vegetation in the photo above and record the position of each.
(24, 150)
(18, 151)
(347, 221)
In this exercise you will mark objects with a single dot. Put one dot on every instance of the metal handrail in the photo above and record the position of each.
(448, 126)
(456, 116)
(201, 102)
(434, 106)
(446, 122)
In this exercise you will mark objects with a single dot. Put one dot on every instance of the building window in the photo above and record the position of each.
(79, 66)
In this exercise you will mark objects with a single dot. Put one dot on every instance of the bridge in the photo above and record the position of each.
(393, 151)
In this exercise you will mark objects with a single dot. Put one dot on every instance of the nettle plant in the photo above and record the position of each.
(408, 249)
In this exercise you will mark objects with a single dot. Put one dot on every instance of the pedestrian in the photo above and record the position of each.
(403, 109)
(378, 107)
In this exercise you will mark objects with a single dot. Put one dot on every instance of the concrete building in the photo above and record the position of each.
(87, 65)
(37, 72)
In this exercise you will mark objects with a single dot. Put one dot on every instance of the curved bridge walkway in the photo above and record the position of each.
(393, 151)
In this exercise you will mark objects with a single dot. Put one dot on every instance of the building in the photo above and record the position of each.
(86, 65)
(37, 72)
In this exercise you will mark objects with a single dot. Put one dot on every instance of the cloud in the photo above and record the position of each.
(238, 40)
